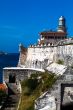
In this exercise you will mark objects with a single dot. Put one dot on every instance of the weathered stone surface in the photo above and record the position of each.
(45, 102)
(42, 56)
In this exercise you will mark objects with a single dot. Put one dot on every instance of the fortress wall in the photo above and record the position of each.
(65, 52)
(40, 53)
(53, 53)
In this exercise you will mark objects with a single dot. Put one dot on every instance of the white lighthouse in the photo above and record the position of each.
(62, 25)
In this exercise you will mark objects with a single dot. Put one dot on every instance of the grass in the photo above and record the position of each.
(33, 87)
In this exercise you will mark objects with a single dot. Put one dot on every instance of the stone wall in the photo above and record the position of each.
(38, 54)
(20, 74)
(52, 53)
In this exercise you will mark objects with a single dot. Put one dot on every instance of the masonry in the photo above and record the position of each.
(19, 73)
(49, 53)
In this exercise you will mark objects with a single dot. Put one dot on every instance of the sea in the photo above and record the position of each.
(8, 60)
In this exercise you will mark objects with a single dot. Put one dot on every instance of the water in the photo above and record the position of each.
(9, 60)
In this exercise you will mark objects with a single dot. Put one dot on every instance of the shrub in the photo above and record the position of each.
(29, 85)
(32, 88)
(60, 61)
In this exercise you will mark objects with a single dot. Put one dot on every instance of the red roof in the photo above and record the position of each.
(2, 86)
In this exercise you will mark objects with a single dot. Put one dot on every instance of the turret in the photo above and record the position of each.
(20, 45)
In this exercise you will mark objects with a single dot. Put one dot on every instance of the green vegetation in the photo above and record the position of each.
(60, 62)
(33, 87)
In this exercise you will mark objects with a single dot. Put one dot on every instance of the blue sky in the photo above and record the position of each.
(22, 20)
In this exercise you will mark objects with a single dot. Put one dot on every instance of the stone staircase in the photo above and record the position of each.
(13, 88)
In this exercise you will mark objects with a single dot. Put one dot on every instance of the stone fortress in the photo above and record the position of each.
(53, 46)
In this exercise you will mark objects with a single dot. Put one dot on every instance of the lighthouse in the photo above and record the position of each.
(62, 25)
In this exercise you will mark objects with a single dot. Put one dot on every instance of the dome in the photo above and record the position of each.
(61, 18)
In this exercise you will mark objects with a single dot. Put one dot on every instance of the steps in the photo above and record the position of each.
(13, 88)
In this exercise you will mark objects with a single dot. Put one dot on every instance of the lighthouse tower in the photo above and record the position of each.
(62, 25)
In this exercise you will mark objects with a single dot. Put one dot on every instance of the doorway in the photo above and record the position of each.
(67, 95)
(12, 78)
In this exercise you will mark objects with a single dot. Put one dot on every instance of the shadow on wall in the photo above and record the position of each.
(67, 107)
